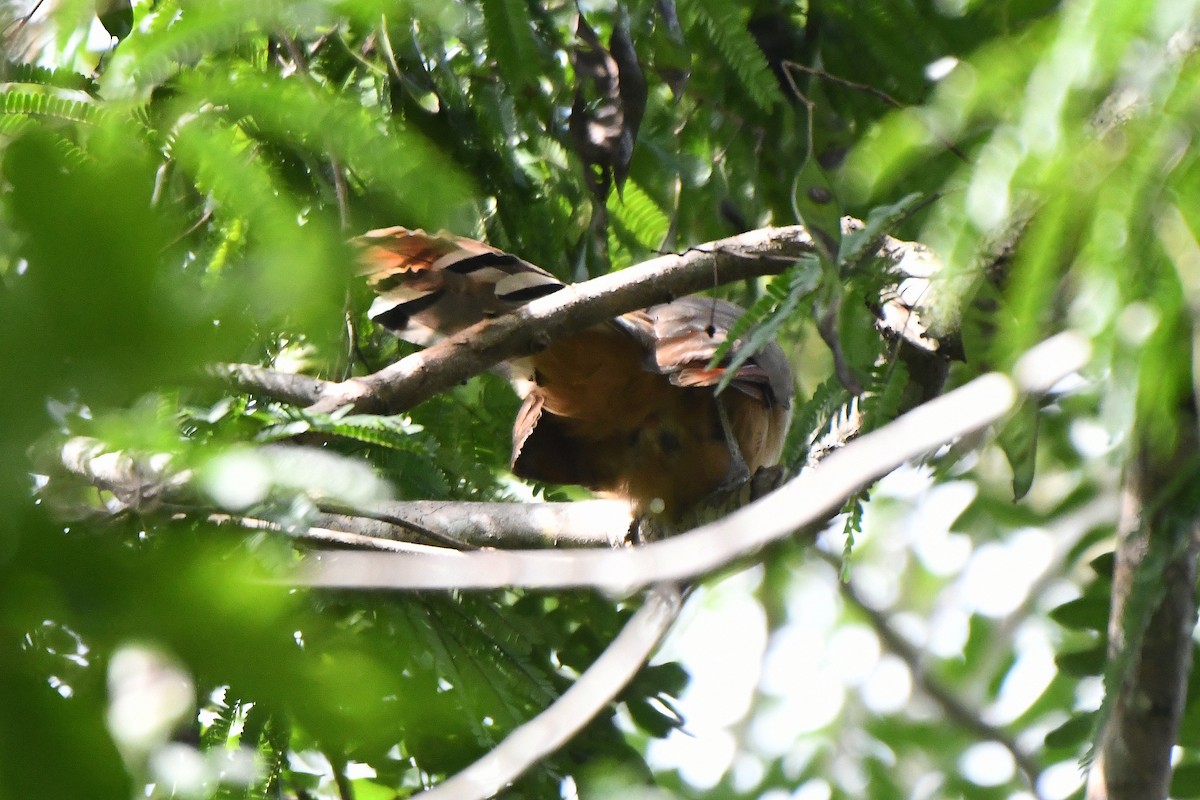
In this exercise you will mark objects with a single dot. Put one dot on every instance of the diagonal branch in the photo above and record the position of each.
(955, 709)
(598, 686)
(530, 328)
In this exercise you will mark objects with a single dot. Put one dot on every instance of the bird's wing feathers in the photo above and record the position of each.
(432, 285)
(682, 336)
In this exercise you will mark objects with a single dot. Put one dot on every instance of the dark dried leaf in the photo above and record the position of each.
(610, 99)
(631, 83)
(672, 59)
(116, 16)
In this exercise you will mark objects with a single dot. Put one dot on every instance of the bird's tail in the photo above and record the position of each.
(429, 286)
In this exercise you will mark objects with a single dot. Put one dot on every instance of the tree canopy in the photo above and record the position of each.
(1008, 616)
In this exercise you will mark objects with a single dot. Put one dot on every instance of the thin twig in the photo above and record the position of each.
(397, 521)
(862, 87)
(319, 535)
(955, 709)
(15, 27)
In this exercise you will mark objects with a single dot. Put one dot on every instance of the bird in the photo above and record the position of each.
(626, 408)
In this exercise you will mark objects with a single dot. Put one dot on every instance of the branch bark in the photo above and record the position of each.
(583, 523)
(149, 483)
(300, 390)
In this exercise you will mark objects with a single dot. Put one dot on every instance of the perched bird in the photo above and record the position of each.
(624, 408)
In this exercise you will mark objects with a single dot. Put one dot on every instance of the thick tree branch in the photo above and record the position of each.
(530, 328)
(598, 686)
(1150, 627)
(300, 390)
(501, 525)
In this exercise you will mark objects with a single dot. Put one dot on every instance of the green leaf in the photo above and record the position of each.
(1103, 565)
(427, 187)
(862, 243)
(638, 215)
(511, 43)
(1018, 441)
(669, 677)
(116, 16)
(177, 36)
(650, 719)
(1185, 781)
(1072, 733)
(1083, 663)
(767, 316)
(816, 206)
(13, 72)
(28, 102)
(725, 25)
(1088, 613)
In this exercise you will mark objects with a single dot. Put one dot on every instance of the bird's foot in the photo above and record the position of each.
(729, 496)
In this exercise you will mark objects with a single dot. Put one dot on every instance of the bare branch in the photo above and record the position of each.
(134, 482)
(328, 537)
(503, 525)
(596, 687)
(145, 483)
(289, 387)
